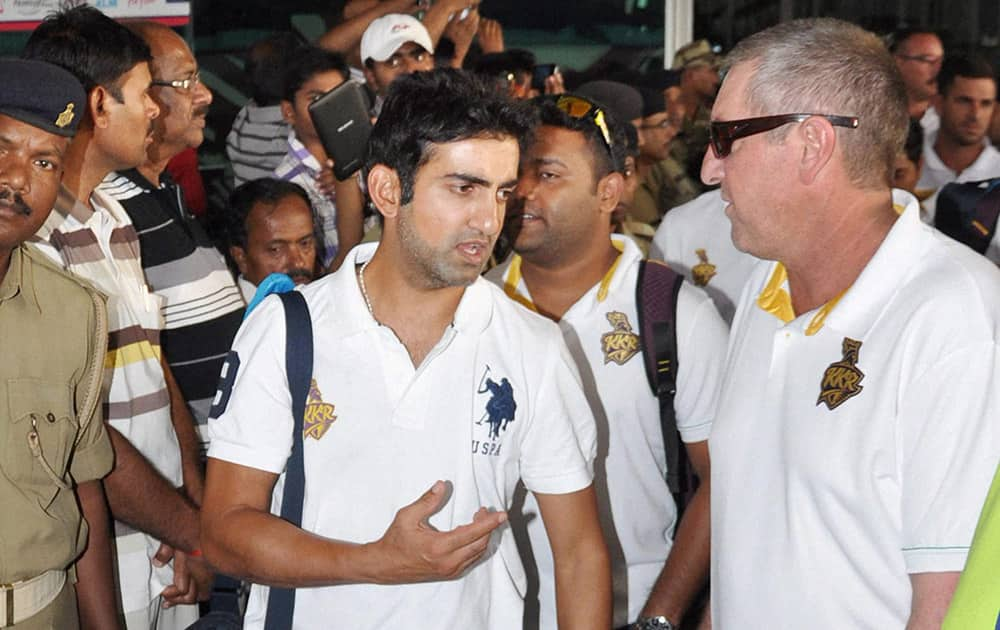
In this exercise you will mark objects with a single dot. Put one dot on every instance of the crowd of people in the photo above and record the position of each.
(681, 349)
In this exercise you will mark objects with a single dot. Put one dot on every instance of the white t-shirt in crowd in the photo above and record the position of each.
(935, 174)
(850, 452)
(695, 239)
(638, 511)
(496, 400)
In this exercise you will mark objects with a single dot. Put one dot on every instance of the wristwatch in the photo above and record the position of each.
(653, 623)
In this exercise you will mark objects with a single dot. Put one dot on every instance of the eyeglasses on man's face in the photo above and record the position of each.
(183, 85)
(722, 134)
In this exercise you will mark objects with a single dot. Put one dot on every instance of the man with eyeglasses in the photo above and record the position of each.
(664, 182)
(918, 53)
(153, 488)
(855, 437)
(569, 268)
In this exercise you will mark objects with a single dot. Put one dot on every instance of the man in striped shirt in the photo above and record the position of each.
(89, 234)
(202, 305)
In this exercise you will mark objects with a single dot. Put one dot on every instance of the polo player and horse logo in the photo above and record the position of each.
(501, 408)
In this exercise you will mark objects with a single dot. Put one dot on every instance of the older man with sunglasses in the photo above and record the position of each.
(854, 440)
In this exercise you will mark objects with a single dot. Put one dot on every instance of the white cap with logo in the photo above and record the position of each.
(385, 35)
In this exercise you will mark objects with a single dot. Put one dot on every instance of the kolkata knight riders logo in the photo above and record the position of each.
(319, 415)
(621, 344)
(703, 271)
(842, 380)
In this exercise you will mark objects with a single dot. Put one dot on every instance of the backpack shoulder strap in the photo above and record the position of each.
(298, 365)
(657, 289)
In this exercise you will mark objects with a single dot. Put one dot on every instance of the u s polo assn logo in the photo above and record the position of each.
(842, 380)
(499, 411)
(621, 344)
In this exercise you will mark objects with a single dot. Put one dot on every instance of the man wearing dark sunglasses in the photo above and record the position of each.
(569, 268)
(854, 440)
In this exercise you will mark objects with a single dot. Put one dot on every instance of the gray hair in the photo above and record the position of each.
(828, 66)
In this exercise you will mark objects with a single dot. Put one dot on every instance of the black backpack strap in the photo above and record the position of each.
(656, 303)
(298, 365)
(968, 212)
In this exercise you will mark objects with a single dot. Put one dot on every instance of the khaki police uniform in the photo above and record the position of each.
(53, 332)
(666, 185)
(689, 146)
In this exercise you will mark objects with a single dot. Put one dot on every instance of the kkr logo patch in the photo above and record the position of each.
(703, 271)
(621, 344)
(319, 415)
(842, 380)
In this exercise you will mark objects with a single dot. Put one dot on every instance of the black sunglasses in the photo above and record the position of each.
(722, 134)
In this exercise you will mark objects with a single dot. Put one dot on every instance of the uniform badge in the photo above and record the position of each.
(319, 415)
(842, 380)
(621, 344)
(703, 271)
(501, 407)
(66, 117)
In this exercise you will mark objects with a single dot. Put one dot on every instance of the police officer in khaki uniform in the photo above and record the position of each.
(53, 338)
(698, 66)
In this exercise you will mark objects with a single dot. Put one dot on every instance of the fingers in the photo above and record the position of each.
(184, 590)
(163, 555)
(482, 525)
(428, 503)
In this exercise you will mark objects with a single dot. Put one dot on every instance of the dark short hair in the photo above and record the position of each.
(605, 159)
(231, 224)
(971, 66)
(265, 67)
(492, 64)
(92, 46)
(914, 145)
(444, 105)
(899, 37)
(305, 62)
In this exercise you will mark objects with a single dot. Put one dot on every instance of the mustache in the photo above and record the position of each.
(14, 199)
(305, 274)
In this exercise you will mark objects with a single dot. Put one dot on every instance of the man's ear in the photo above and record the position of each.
(609, 191)
(239, 256)
(98, 100)
(288, 112)
(819, 140)
(385, 190)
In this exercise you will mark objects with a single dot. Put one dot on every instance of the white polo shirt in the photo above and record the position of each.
(497, 400)
(850, 452)
(601, 330)
(936, 174)
(695, 239)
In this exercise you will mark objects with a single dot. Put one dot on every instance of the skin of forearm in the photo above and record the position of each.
(187, 438)
(95, 588)
(586, 571)
(686, 568)
(141, 497)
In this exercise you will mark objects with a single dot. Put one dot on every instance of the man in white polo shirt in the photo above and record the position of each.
(423, 372)
(960, 151)
(568, 269)
(855, 437)
(694, 239)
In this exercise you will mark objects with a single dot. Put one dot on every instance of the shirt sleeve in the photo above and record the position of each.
(93, 457)
(702, 338)
(560, 444)
(251, 424)
(948, 445)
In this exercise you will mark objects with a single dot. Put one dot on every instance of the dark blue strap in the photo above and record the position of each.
(298, 365)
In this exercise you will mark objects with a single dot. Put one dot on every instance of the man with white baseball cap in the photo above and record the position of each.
(393, 45)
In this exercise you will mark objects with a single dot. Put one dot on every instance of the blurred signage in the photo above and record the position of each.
(17, 15)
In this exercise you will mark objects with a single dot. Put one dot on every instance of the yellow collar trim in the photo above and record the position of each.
(514, 278)
(775, 300)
